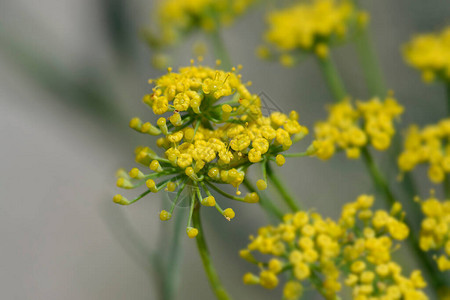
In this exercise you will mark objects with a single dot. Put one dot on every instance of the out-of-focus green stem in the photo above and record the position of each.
(447, 186)
(282, 189)
(370, 64)
(220, 51)
(332, 78)
(376, 86)
(447, 87)
(264, 202)
(211, 273)
(378, 178)
(382, 185)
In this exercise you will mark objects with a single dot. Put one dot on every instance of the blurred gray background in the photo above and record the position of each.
(72, 73)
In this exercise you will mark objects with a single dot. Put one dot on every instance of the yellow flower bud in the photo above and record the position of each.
(280, 160)
(275, 265)
(136, 124)
(268, 280)
(251, 198)
(208, 201)
(165, 215)
(192, 232)
(261, 185)
(229, 214)
(119, 199)
(292, 290)
(151, 185)
(136, 173)
(171, 186)
(250, 278)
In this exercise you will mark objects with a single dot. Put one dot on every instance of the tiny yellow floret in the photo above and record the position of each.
(136, 173)
(261, 184)
(119, 199)
(229, 214)
(209, 201)
(151, 185)
(251, 198)
(280, 160)
(250, 278)
(192, 232)
(165, 215)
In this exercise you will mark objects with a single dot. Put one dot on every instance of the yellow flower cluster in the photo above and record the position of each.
(205, 142)
(429, 145)
(373, 274)
(178, 17)
(430, 54)
(229, 149)
(358, 246)
(309, 26)
(351, 128)
(435, 230)
(197, 87)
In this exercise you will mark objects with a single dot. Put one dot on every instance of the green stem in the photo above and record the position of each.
(332, 77)
(282, 189)
(375, 84)
(172, 278)
(376, 87)
(225, 194)
(381, 184)
(264, 202)
(214, 280)
(447, 186)
(378, 178)
(219, 49)
(370, 65)
(447, 86)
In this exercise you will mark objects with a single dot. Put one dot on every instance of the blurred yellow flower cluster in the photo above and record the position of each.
(358, 246)
(435, 230)
(351, 128)
(178, 17)
(322, 22)
(429, 145)
(205, 142)
(430, 54)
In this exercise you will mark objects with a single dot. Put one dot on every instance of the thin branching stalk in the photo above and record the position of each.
(332, 78)
(219, 49)
(447, 88)
(211, 273)
(172, 275)
(369, 62)
(282, 189)
(265, 203)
